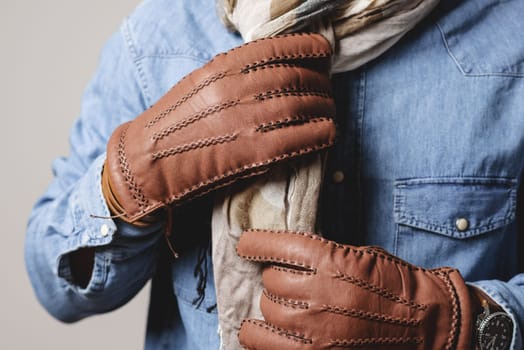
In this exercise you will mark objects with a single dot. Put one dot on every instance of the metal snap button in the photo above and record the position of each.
(462, 224)
(338, 177)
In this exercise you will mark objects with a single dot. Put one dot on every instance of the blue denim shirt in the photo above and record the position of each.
(431, 149)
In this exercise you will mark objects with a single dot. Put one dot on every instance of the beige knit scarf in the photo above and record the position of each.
(287, 197)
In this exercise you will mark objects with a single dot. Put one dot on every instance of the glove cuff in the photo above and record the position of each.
(114, 206)
(462, 304)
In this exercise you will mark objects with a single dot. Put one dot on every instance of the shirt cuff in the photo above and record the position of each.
(90, 210)
(95, 228)
(500, 293)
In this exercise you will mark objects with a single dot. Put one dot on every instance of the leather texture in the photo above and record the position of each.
(323, 295)
(261, 103)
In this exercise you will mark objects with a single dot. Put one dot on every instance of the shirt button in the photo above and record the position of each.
(462, 224)
(104, 230)
(338, 177)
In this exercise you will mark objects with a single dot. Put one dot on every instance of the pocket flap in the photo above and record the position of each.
(455, 207)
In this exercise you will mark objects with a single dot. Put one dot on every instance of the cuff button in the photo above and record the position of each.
(104, 230)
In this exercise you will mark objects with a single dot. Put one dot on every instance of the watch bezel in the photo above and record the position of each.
(489, 319)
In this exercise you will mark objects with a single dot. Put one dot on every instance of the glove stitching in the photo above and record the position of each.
(280, 61)
(194, 118)
(270, 259)
(202, 143)
(295, 304)
(220, 75)
(238, 172)
(373, 316)
(226, 182)
(223, 54)
(133, 187)
(206, 82)
(249, 69)
(297, 337)
(455, 318)
(383, 292)
(293, 271)
(357, 251)
(375, 341)
(228, 178)
(292, 91)
(291, 121)
(268, 38)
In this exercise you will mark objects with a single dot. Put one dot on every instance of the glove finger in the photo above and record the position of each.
(285, 312)
(311, 50)
(283, 48)
(290, 249)
(316, 320)
(289, 300)
(288, 282)
(259, 335)
(293, 91)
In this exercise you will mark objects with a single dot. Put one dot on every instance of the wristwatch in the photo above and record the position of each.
(494, 327)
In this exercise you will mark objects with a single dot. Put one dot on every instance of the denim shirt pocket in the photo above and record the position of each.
(454, 221)
(484, 38)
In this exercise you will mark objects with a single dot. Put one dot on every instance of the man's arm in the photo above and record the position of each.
(62, 220)
(256, 105)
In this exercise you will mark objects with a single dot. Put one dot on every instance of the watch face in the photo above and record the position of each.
(495, 332)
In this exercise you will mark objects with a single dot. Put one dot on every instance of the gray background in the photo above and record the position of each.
(49, 50)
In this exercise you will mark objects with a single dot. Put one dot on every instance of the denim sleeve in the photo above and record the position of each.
(509, 295)
(62, 219)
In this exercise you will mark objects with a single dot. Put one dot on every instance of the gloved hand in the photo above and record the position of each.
(323, 295)
(261, 103)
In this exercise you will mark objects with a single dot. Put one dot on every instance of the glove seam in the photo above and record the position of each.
(233, 175)
(273, 61)
(366, 250)
(278, 261)
(376, 341)
(133, 187)
(296, 337)
(299, 119)
(262, 64)
(293, 271)
(294, 304)
(455, 308)
(193, 118)
(264, 39)
(206, 82)
(292, 91)
(383, 292)
(202, 143)
(372, 316)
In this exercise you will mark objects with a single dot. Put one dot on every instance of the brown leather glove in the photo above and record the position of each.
(258, 104)
(323, 295)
